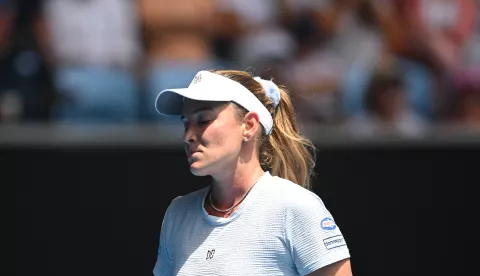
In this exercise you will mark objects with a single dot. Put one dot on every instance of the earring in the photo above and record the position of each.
(245, 139)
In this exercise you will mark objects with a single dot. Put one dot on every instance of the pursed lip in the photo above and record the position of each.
(191, 158)
(190, 153)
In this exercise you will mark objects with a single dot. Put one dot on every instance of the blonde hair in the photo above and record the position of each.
(285, 152)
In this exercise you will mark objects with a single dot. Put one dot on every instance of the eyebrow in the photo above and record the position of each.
(197, 111)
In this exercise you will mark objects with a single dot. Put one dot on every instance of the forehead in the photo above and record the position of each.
(189, 104)
(191, 107)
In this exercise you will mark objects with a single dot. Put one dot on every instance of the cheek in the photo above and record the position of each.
(222, 135)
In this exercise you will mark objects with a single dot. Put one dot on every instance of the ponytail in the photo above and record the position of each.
(285, 152)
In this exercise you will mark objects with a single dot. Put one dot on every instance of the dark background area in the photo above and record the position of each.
(404, 210)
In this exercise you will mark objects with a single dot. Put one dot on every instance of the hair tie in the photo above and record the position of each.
(271, 89)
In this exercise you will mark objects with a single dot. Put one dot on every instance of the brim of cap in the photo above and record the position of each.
(170, 101)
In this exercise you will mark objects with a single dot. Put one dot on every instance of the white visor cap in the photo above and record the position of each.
(208, 86)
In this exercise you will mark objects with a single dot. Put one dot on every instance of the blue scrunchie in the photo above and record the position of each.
(271, 89)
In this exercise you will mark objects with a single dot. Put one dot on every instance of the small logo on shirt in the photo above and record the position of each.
(210, 254)
(328, 224)
(334, 242)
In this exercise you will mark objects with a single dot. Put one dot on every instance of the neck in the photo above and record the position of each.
(229, 189)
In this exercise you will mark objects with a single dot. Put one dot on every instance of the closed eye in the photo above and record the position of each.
(200, 123)
(204, 122)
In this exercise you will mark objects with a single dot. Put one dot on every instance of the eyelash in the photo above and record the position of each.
(201, 123)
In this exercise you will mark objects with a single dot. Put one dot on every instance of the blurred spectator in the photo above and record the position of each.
(355, 30)
(436, 29)
(26, 91)
(313, 73)
(434, 32)
(260, 40)
(466, 85)
(381, 17)
(94, 50)
(470, 107)
(178, 36)
(386, 109)
(333, 36)
(470, 54)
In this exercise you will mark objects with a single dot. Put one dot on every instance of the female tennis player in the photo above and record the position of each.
(258, 216)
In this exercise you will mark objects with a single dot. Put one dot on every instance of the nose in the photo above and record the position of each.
(189, 136)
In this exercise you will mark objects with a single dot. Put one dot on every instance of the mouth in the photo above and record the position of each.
(191, 153)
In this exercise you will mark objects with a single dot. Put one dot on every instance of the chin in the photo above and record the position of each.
(198, 170)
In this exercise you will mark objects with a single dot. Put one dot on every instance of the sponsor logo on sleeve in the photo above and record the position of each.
(334, 242)
(328, 224)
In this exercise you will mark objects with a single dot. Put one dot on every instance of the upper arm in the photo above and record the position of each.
(314, 239)
(164, 264)
(340, 268)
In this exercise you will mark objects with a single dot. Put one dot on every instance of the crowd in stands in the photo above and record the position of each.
(365, 64)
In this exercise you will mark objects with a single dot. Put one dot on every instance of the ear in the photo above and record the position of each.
(250, 124)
